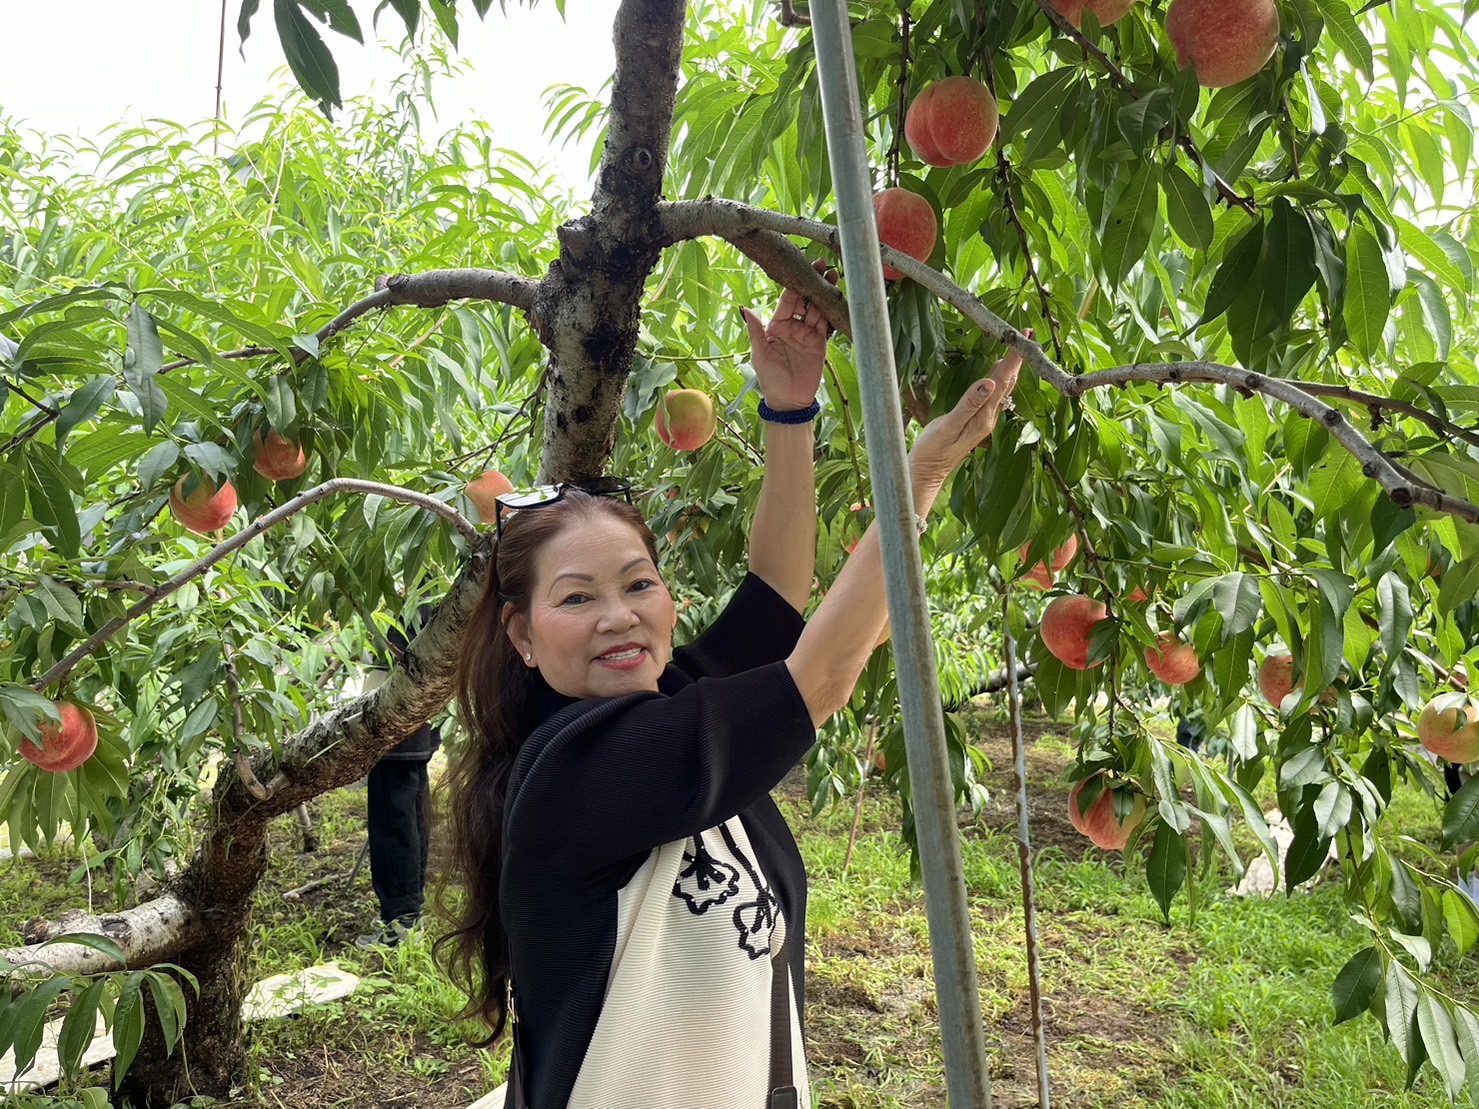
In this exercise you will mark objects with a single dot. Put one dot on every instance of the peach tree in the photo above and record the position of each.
(1249, 399)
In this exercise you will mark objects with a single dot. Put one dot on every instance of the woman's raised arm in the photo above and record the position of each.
(788, 356)
(844, 630)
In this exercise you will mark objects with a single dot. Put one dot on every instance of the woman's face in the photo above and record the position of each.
(600, 621)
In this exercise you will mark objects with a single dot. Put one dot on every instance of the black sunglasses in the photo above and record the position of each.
(541, 495)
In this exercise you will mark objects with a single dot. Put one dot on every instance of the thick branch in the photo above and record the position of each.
(148, 934)
(729, 219)
(258, 526)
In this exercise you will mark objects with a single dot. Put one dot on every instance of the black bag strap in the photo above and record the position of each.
(783, 1093)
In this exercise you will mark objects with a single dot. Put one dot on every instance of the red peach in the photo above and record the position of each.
(1450, 732)
(67, 745)
(1228, 40)
(1100, 823)
(952, 121)
(907, 223)
(1067, 624)
(205, 509)
(1173, 661)
(484, 491)
(686, 419)
(277, 458)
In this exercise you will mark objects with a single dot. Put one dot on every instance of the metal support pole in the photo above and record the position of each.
(966, 1077)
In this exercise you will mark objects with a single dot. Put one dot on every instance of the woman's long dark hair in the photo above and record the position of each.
(496, 705)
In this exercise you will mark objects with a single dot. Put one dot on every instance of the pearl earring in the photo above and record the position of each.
(528, 657)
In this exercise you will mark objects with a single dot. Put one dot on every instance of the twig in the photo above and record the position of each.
(790, 17)
(15, 388)
(1004, 171)
(220, 82)
(899, 116)
(238, 756)
(257, 527)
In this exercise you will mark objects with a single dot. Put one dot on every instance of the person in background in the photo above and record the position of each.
(398, 819)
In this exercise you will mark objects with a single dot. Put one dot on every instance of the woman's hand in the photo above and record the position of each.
(790, 353)
(948, 440)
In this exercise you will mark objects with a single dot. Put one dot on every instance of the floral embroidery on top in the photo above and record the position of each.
(712, 881)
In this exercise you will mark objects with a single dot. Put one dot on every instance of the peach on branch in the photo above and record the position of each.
(1067, 624)
(1449, 728)
(65, 745)
(484, 491)
(277, 458)
(1100, 823)
(907, 223)
(686, 419)
(1228, 40)
(1173, 661)
(1105, 11)
(952, 122)
(1041, 576)
(206, 508)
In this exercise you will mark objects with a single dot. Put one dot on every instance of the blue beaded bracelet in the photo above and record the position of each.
(800, 416)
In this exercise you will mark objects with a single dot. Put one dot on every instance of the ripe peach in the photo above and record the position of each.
(1040, 577)
(205, 509)
(952, 122)
(67, 745)
(907, 223)
(1105, 11)
(1100, 823)
(278, 459)
(1276, 678)
(1173, 661)
(484, 491)
(1450, 732)
(1229, 40)
(685, 419)
(1067, 625)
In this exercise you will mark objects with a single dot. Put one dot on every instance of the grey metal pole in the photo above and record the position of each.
(967, 1079)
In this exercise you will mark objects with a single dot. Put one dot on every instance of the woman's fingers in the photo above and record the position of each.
(756, 329)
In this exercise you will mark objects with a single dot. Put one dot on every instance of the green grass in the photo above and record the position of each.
(1229, 1009)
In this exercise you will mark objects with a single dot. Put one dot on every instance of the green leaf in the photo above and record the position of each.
(158, 462)
(83, 405)
(1307, 852)
(1143, 120)
(1394, 616)
(310, 60)
(1334, 480)
(1438, 1036)
(1356, 984)
(101, 944)
(141, 361)
(1238, 602)
(30, 1019)
(1187, 209)
(1166, 869)
(128, 1025)
(1345, 29)
(54, 504)
(1368, 298)
(78, 1028)
(1132, 223)
(169, 1006)
(244, 18)
(1238, 266)
(1468, 1038)
(1401, 1010)
(1461, 916)
(1461, 816)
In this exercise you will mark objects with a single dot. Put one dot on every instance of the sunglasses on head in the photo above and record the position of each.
(541, 495)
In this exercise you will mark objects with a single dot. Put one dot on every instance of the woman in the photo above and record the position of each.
(611, 819)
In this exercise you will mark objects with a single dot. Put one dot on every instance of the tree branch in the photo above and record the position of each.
(730, 219)
(431, 289)
(147, 933)
(257, 527)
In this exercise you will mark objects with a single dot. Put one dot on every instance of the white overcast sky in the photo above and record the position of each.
(75, 66)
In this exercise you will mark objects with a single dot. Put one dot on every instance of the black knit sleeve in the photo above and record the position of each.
(757, 626)
(605, 780)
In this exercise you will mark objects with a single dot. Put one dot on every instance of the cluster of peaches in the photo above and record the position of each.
(954, 121)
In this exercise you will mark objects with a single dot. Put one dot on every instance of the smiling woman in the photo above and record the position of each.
(611, 824)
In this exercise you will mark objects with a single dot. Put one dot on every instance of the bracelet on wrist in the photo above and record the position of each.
(799, 416)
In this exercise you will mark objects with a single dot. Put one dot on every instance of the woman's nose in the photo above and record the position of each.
(618, 615)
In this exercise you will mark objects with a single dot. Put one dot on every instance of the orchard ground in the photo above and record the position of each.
(1231, 1009)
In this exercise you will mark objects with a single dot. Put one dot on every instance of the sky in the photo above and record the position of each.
(74, 66)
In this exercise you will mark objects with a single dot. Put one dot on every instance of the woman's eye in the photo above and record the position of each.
(574, 598)
(643, 584)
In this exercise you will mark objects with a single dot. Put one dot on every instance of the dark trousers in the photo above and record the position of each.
(399, 794)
